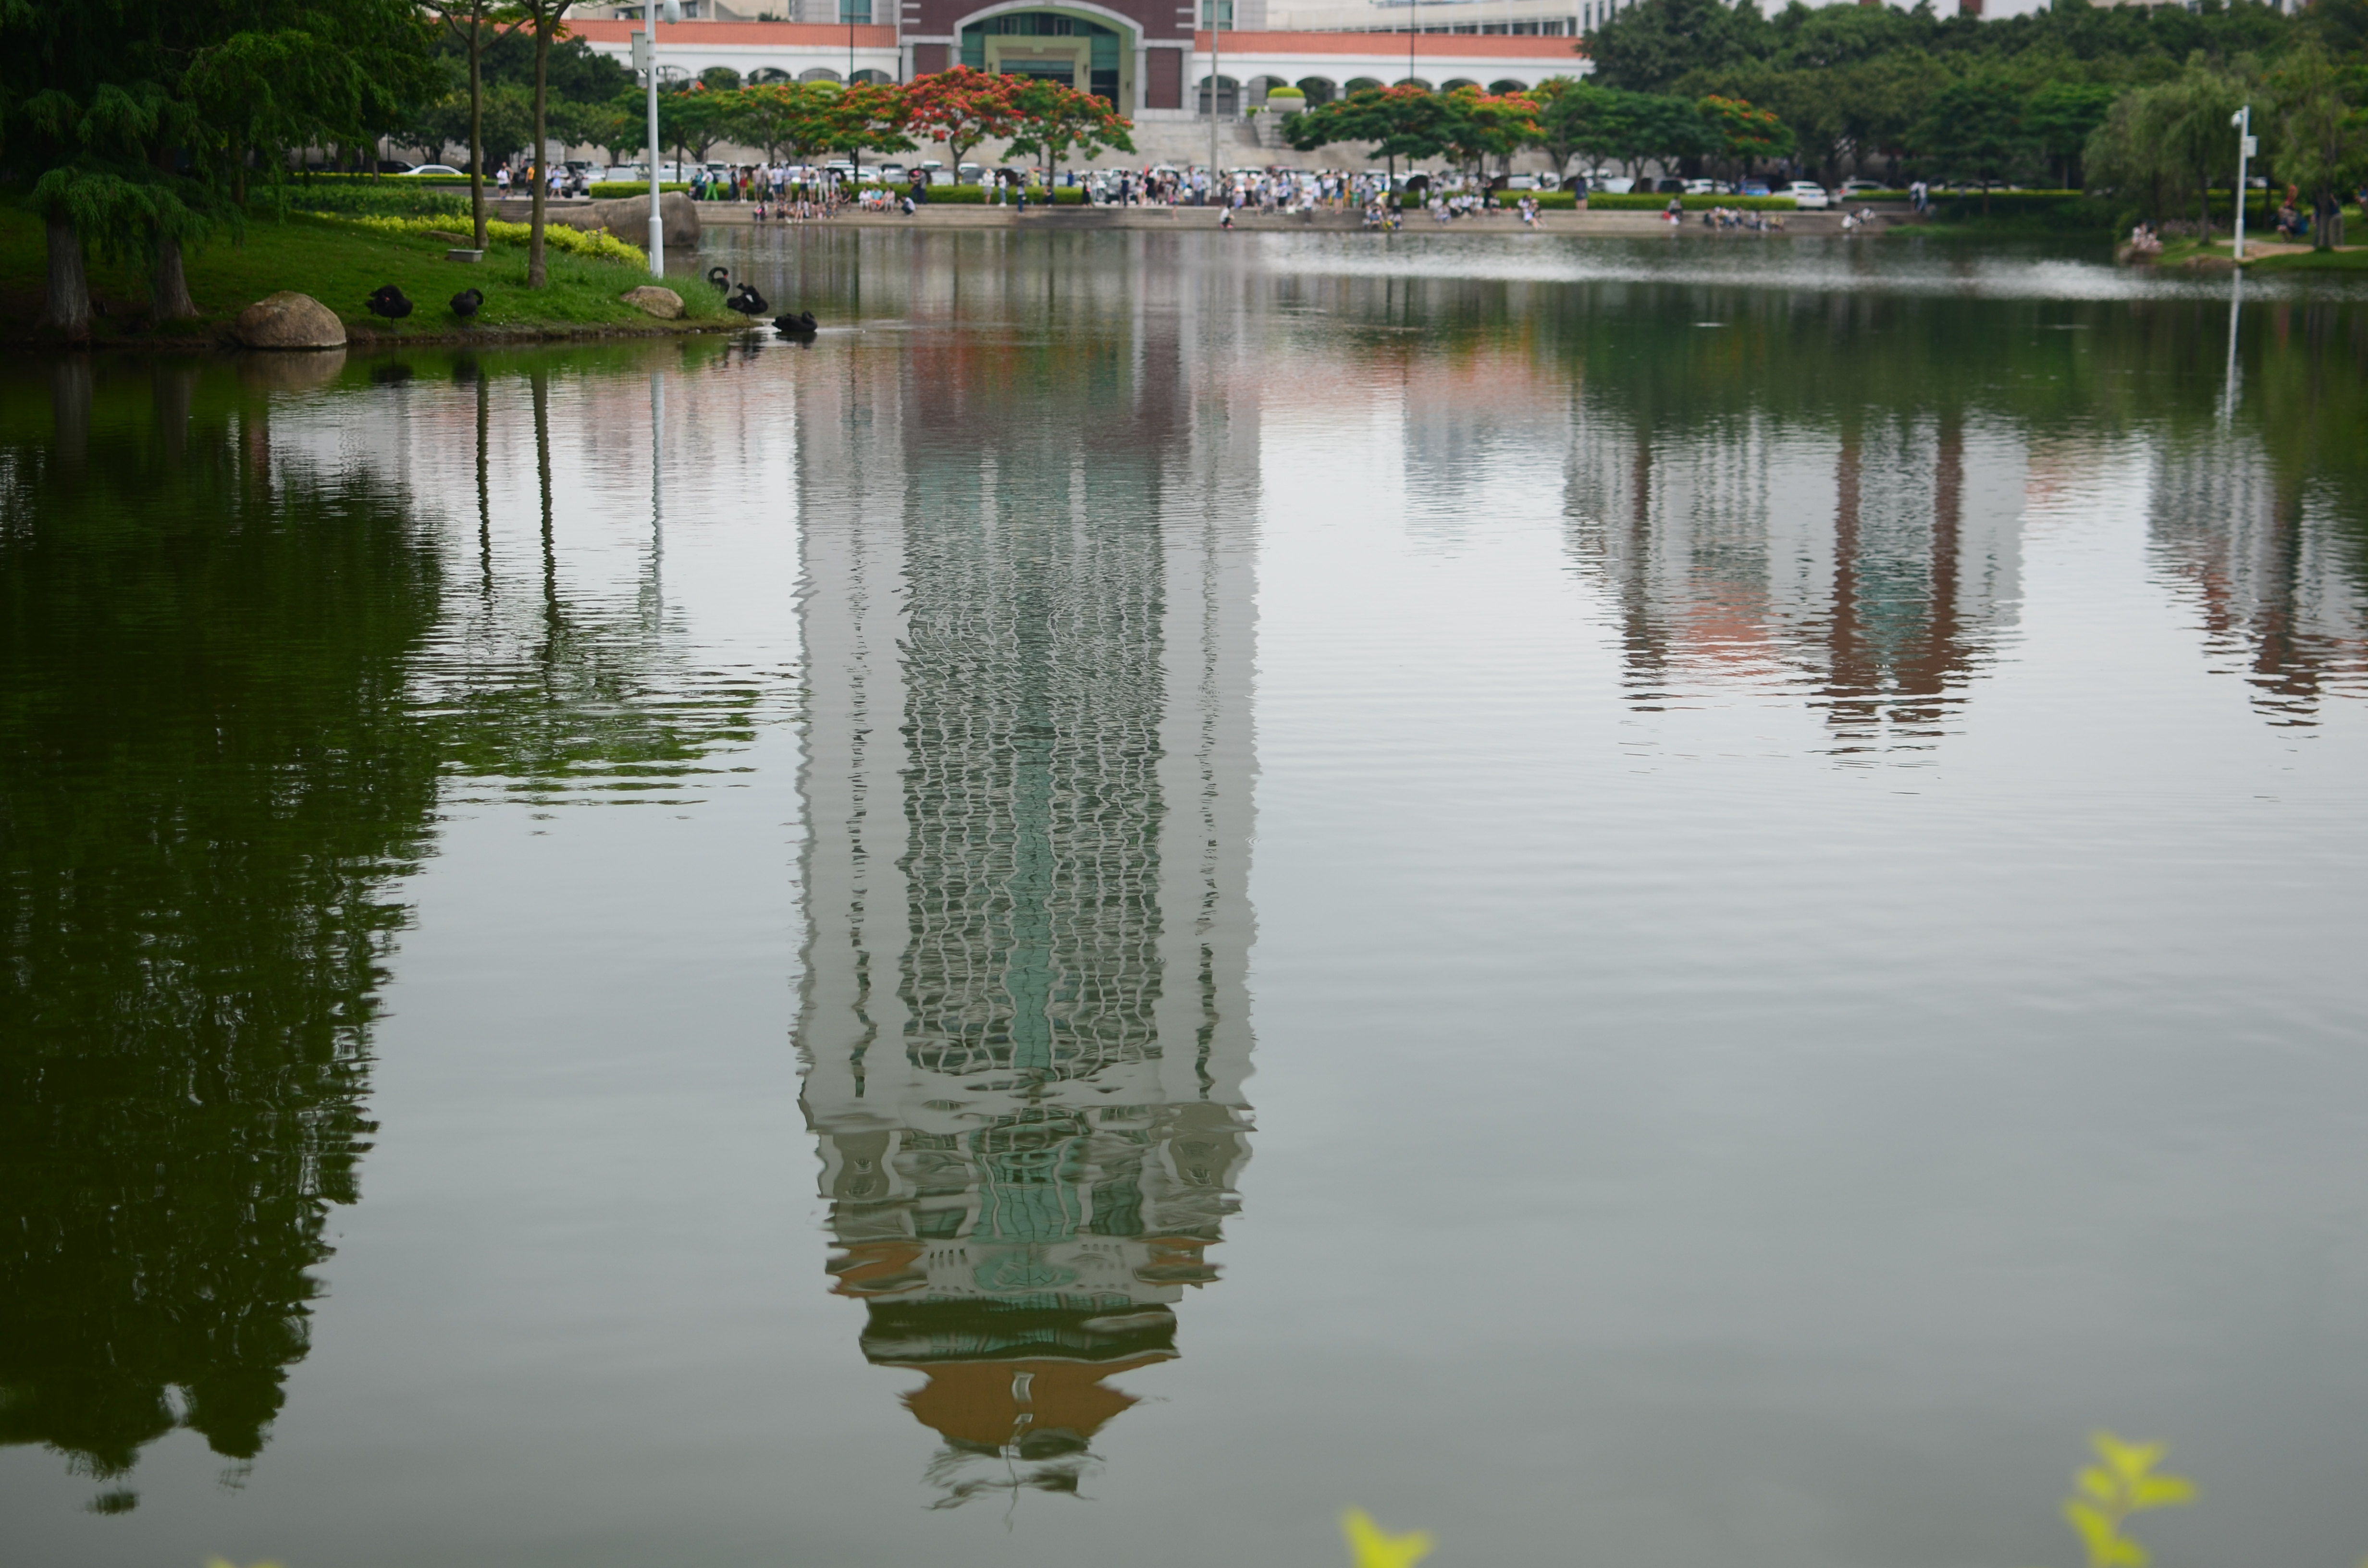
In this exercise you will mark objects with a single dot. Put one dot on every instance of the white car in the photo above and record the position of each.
(1809, 196)
(1618, 185)
(434, 169)
(1861, 187)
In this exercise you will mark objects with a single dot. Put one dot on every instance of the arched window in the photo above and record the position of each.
(1508, 85)
(1229, 96)
(1319, 90)
(819, 74)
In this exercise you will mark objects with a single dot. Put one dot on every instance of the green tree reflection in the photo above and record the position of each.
(208, 778)
(234, 683)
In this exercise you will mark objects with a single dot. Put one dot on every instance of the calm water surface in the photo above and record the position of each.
(1643, 906)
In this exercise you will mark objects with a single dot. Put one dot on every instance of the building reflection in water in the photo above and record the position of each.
(1024, 1020)
(2267, 562)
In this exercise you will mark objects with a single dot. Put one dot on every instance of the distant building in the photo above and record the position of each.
(1142, 56)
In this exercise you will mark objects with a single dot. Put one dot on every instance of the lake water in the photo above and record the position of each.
(1644, 905)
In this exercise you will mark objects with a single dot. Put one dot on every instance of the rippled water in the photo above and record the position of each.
(1647, 903)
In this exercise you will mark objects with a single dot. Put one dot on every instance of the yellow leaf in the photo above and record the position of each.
(2128, 1460)
(2161, 1492)
(2098, 1485)
(2098, 1529)
(1375, 1548)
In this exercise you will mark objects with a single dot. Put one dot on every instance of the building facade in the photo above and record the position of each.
(1144, 56)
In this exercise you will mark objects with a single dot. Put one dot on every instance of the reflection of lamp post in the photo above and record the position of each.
(645, 59)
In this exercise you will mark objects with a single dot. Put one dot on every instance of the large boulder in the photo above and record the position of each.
(289, 320)
(663, 303)
(629, 218)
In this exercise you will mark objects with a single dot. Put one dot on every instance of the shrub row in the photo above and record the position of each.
(364, 198)
(1642, 202)
(557, 236)
(982, 195)
(614, 189)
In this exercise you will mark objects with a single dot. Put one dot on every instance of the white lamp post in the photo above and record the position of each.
(2246, 147)
(645, 60)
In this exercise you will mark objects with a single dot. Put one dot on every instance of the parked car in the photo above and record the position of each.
(1617, 185)
(1809, 196)
(1862, 186)
(968, 174)
(1752, 187)
(1522, 182)
(1550, 182)
(434, 169)
(1668, 186)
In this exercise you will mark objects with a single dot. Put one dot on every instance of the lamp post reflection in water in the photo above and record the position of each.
(1027, 777)
(2235, 318)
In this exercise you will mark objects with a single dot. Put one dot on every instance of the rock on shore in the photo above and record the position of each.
(663, 303)
(289, 320)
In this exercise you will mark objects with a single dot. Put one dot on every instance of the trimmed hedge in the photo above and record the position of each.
(983, 195)
(612, 189)
(2004, 203)
(1640, 201)
(346, 176)
(360, 198)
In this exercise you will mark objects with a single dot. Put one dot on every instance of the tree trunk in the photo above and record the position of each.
(477, 121)
(535, 276)
(168, 285)
(2325, 221)
(66, 311)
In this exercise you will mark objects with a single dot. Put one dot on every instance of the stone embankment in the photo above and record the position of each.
(726, 214)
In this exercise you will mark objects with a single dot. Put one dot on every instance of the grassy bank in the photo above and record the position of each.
(340, 264)
(2258, 258)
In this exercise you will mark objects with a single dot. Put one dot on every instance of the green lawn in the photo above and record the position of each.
(2352, 259)
(340, 265)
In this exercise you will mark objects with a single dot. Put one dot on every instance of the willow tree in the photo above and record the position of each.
(135, 122)
(2322, 146)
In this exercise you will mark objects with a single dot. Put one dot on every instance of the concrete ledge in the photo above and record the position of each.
(1632, 225)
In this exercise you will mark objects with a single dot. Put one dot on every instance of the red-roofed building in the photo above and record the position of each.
(1143, 56)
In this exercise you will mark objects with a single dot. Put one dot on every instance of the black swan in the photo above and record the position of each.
(719, 276)
(389, 303)
(747, 301)
(465, 303)
(799, 325)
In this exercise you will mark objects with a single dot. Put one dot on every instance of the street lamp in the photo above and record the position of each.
(2246, 147)
(645, 60)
